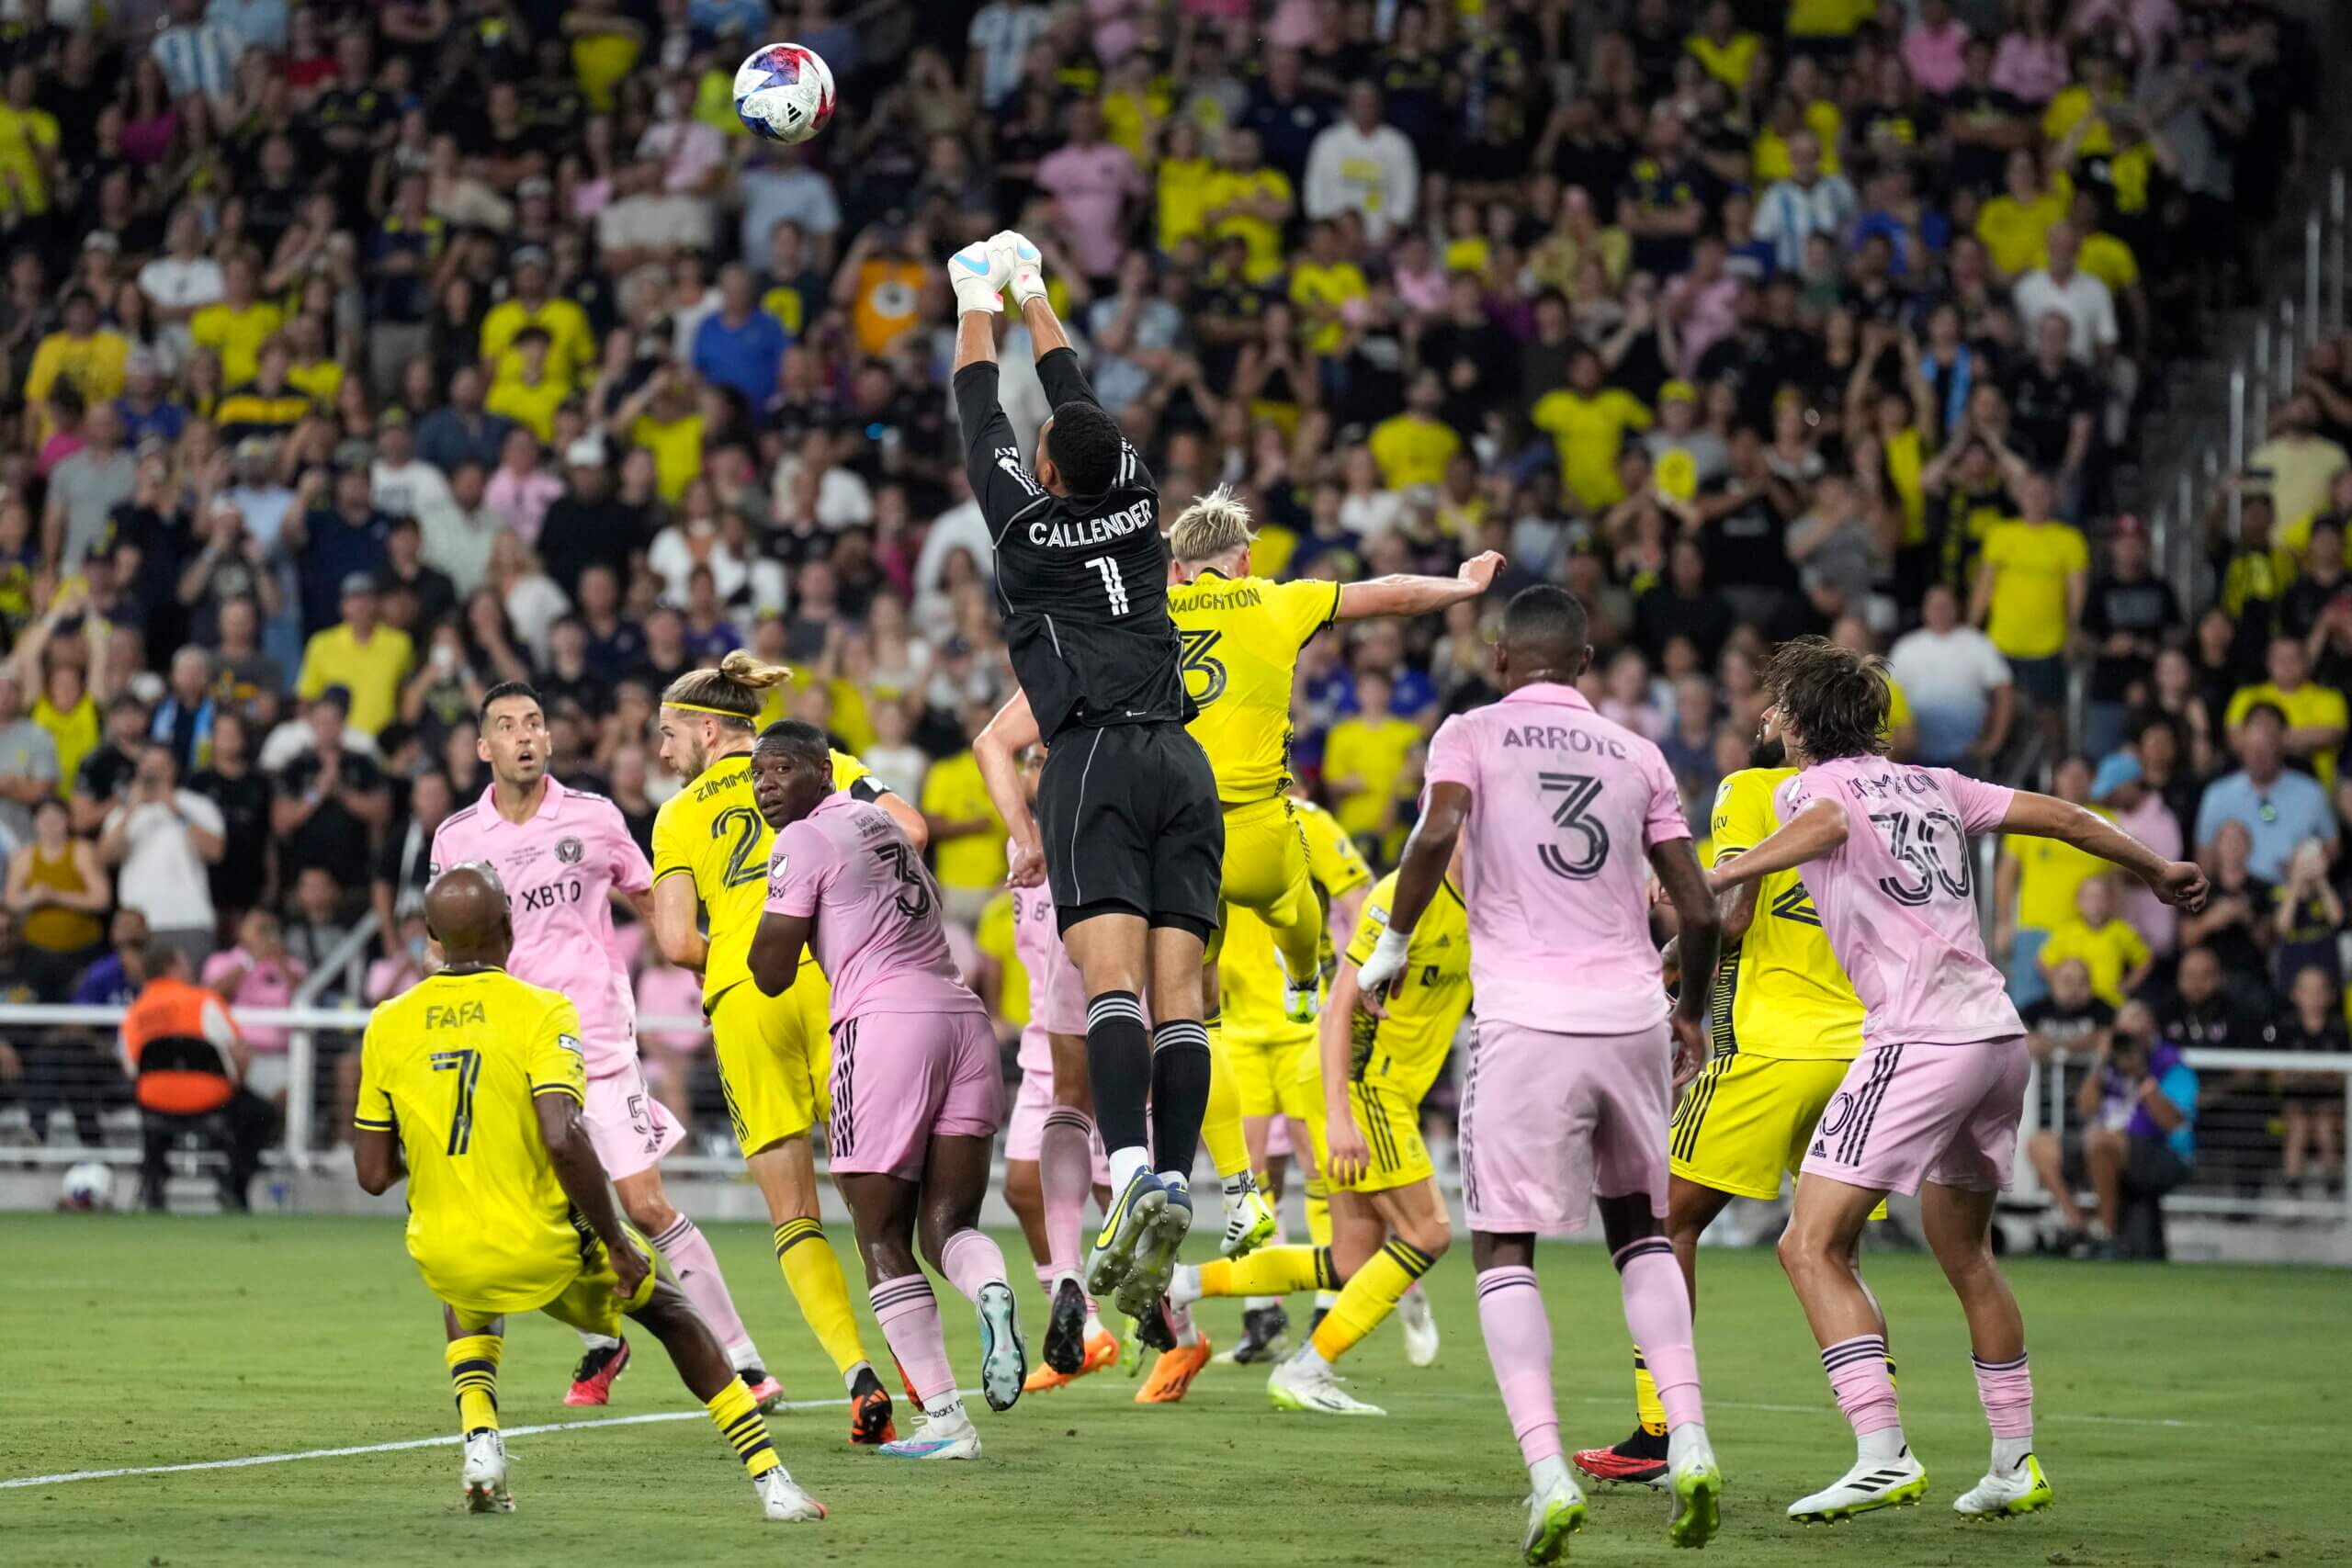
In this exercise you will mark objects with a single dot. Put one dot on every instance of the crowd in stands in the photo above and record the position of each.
(366, 354)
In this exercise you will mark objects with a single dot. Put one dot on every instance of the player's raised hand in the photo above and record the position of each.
(1479, 570)
(979, 272)
(2181, 885)
(1026, 262)
(629, 1269)
(1350, 1157)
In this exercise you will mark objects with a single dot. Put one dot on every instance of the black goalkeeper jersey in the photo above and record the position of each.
(1082, 581)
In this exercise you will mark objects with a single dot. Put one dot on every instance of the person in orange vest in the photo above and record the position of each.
(186, 1064)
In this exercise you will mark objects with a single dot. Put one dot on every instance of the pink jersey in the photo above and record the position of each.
(1037, 944)
(1897, 899)
(873, 910)
(1564, 807)
(560, 868)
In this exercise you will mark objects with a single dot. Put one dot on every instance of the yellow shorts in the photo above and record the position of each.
(774, 1053)
(1268, 1076)
(1266, 869)
(588, 1304)
(1746, 1120)
(1389, 1112)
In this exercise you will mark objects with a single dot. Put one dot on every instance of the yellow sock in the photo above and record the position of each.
(1270, 1272)
(1647, 1404)
(1318, 1231)
(814, 1275)
(1369, 1296)
(473, 1368)
(1890, 1372)
(737, 1417)
(1221, 1124)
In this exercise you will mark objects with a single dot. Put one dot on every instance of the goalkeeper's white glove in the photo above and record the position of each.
(1384, 963)
(1020, 255)
(979, 272)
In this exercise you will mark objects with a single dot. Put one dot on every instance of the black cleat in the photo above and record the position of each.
(1151, 1329)
(1066, 1329)
(1261, 1335)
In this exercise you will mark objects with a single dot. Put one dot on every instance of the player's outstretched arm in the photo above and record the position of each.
(1403, 594)
(996, 749)
(776, 951)
(977, 273)
(1427, 854)
(582, 1176)
(2177, 883)
(1810, 834)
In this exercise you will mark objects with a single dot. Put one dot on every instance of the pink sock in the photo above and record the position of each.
(1857, 1370)
(1657, 1314)
(1066, 1174)
(696, 1267)
(970, 1261)
(2006, 1389)
(1518, 1343)
(909, 1314)
(1046, 1275)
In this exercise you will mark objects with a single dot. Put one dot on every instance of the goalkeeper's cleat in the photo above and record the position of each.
(1639, 1461)
(784, 1502)
(1296, 1385)
(1263, 1331)
(1156, 1248)
(767, 1392)
(1872, 1484)
(1004, 1360)
(591, 1382)
(2005, 1494)
(947, 1435)
(1250, 1220)
(1065, 1330)
(1421, 1328)
(1173, 1374)
(1102, 1353)
(869, 1412)
(1553, 1515)
(1133, 1217)
(485, 1473)
(1698, 1486)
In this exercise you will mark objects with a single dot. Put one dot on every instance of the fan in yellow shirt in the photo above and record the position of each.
(1323, 286)
(1413, 447)
(1247, 199)
(1364, 759)
(2117, 956)
(2032, 579)
(2316, 715)
(967, 835)
(1586, 423)
(571, 345)
(526, 391)
(235, 327)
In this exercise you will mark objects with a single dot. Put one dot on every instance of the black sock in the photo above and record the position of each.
(1180, 1093)
(1118, 1068)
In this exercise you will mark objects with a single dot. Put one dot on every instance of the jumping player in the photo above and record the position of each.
(710, 856)
(471, 1084)
(1936, 1094)
(1561, 816)
(916, 1090)
(1132, 835)
(565, 851)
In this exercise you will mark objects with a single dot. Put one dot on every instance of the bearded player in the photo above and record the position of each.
(564, 853)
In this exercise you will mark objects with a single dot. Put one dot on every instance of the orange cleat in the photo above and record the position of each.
(1172, 1376)
(1639, 1461)
(869, 1414)
(593, 1382)
(1102, 1354)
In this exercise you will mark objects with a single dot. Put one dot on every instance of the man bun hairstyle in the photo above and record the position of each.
(1834, 699)
(1215, 525)
(1084, 443)
(735, 691)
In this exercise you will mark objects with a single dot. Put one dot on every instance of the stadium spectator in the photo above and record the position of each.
(161, 839)
(258, 973)
(1956, 684)
(60, 895)
(2315, 715)
(2278, 807)
(2139, 1111)
(187, 1061)
(2311, 1108)
(28, 770)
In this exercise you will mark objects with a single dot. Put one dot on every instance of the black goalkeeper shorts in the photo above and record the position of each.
(1131, 822)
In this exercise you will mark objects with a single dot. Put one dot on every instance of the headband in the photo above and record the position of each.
(714, 713)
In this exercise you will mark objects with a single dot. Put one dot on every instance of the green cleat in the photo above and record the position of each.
(1872, 1484)
(1550, 1519)
(2023, 1490)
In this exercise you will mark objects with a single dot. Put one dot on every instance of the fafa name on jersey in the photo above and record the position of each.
(1072, 533)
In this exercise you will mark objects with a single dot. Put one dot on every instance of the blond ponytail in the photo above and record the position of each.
(733, 691)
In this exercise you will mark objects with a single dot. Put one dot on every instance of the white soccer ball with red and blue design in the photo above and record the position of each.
(783, 93)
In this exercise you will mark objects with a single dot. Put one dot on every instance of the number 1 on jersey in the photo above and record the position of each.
(1113, 585)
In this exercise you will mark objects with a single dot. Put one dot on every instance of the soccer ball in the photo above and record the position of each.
(89, 1185)
(783, 93)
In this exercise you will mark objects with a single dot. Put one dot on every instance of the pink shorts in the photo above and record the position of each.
(1550, 1122)
(903, 1078)
(1907, 1113)
(1026, 1125)
(630, 1129)
(1057, 998)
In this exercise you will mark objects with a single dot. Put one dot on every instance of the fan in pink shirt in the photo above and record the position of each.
(917, 1094)
(1091, 182)
(562, 854)
(1936, 1094)
(1562, 817)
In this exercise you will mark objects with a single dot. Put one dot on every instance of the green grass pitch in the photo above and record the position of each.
(2186, 1416)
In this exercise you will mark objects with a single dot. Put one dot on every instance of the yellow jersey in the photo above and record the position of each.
(953, 788)
(571, 343)
(2031, 564)
(1588, 432)
(1250, 980)
(1432, 991)
(2309, 706)
(711, 831)
(1779, 992)
(2049, 876)
(993, 936)
(2110, 951)
(1373, 752)
(455, 1066)
(1241, 639)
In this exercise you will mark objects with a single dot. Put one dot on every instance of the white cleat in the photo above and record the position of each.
(1553, 1515)
(1296, 1385)
(1872, 1483)
(1005, 1360)
(485, 1474)
(1250, 1220)
(783, 1502)
(949, 1435)
(1302, 999)
(2005, 1496)
(1421, 1328)
(1697, 1485)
